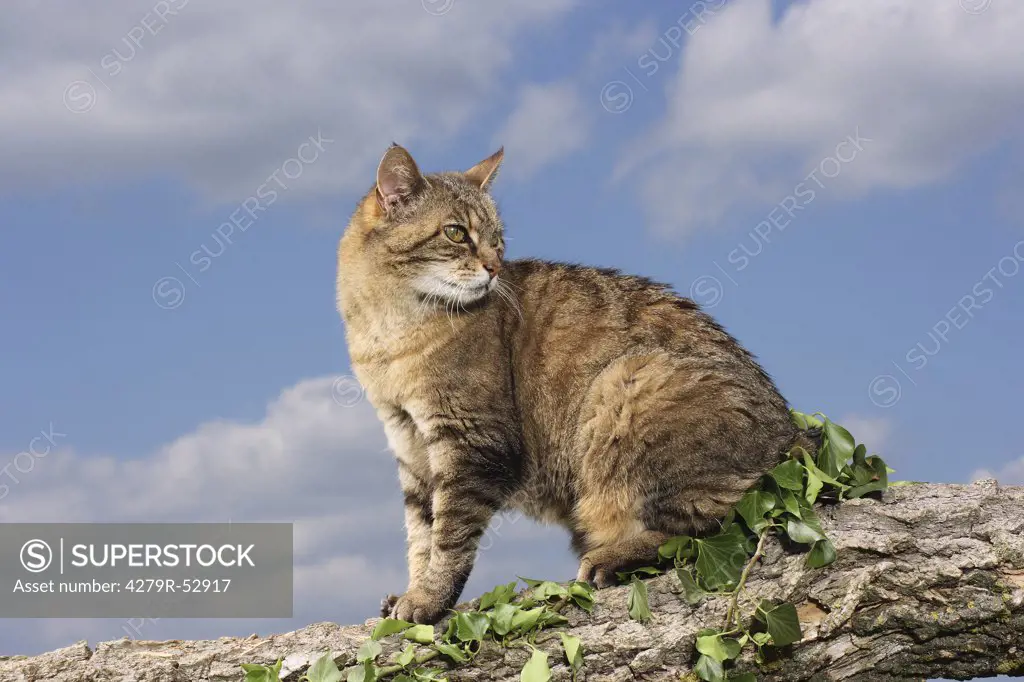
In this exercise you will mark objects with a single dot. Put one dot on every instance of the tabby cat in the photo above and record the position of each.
(581, 396)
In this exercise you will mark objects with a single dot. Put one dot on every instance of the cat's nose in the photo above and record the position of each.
(492, 268)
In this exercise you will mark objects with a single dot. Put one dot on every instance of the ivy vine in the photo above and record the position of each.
(781, 503)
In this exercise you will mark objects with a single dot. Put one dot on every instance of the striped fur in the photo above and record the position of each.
(600, 401)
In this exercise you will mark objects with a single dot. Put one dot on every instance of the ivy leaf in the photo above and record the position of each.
(802, 532)
(623, 576)
(471, 626)
(525, 620)
(501, 618)
(536, 669)
(530, 582)
(421, 634)
(790, 502)
(879, 480)
(582, 595)
(262, 673)
(822, 554)
(743, 677)
(805, 422)
(789, 475)
(691, 590)
(717, 647)
(675, 547)
(452, 651)
(820, 474)
(573, 650)
(407, 656)
(639, 608)
(761, 638)
(782, 622)
(709, 669)
(814, 487)
(753, 506)
(839, 448)
(369, 651)
(323, 670)
(548, 590)
(367, 672)
(502, 594)
(389, 626)
(720, 558)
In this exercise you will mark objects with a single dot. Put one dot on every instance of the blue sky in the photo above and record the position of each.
(642, 138)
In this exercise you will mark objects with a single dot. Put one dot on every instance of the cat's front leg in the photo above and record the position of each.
(419, 520)
(469, 488)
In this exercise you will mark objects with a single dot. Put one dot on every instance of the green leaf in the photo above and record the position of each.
(717, 647)
(471, 626)
(709, 669)
(548, 590)
(456, 653)
(761, 638)
(501, 618)
(406, 657)
(367, 672)
(502, 594)
(782, 622)
(323, 670)
(820, 474)
(691, 590)
(582, 595)
(743, 677)
(789, 475)
(573, 650)
(805, 422)
(814, 487)
(790, 502)
(530, 582)
(753, 506)
(389, 626)
(822, 554)
(839, 448)
(800, 531)
(525, 620)
(639, 609)
(422, 634)
(255, 672)
(536, 669)
(369, 651)
(674, 547)
(720, 558)
(879, 480)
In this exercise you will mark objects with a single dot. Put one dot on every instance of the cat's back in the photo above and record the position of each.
(602, 310)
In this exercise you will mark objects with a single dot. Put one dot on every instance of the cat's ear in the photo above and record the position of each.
(483, 174)
(398, 178)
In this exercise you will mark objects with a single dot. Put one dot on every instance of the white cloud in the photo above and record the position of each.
(757, 104)
(220, 97)
(549, 122)
(873, 432)
(309, 461)
(1011, 473)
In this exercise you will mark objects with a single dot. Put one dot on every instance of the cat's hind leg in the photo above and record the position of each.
(599, 565)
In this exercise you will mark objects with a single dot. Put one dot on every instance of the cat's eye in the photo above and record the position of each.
(457, 233)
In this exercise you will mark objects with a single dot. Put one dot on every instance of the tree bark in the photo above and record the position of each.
(929, 583)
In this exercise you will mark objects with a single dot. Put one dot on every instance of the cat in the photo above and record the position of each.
(600, 401)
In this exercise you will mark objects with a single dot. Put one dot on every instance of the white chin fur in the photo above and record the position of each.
(463, 292)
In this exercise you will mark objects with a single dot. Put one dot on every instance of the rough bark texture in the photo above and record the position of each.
(929, 583)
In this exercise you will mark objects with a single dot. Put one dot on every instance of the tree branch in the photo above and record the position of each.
(928, 583)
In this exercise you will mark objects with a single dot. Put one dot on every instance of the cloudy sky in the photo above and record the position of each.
(838, 181)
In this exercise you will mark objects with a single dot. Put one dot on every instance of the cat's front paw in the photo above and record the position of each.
(416, 606)
(387, 605)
